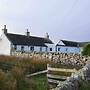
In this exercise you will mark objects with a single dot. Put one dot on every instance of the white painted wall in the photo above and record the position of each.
(27, 49)
(62, 49)
(69, 49)
(50, 46)
(18, 48)
(37, 49)
(44, 49)
(4, 45)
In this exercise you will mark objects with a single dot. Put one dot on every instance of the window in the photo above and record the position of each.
(66, 49)
(22, 48)
(15, 47)
(40, 48)
(32, 48)
(50, 49)
(58, 49)
(46, 49)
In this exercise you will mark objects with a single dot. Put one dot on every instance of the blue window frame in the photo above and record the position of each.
(58, 49)
(50, 49)
(40, 49)
(32, 48)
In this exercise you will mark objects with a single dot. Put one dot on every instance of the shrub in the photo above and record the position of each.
(86, 50)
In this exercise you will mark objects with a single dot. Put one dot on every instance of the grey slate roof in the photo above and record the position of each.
(70, 43)
(17, 39)
(73, 44)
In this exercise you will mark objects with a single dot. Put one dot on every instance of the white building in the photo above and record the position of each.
(65, 46)
(10, 43)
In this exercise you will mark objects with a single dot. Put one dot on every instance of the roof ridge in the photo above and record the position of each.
(20, 39)
(29, 36)
(69, 41)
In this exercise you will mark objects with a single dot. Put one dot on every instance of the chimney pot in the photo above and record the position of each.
(5, 30)
(47, 36)
(4, 26)
(28, 33)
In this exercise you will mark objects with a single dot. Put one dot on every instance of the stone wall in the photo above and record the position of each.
(61, 58)
(73, 82)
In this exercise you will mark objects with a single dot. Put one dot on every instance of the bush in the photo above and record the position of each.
(86, 50)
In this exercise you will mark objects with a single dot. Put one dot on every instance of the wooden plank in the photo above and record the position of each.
(37, 73)
(62, 70)
(53, 81)
(56, 76)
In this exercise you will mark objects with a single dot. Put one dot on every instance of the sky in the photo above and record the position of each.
(62, 19)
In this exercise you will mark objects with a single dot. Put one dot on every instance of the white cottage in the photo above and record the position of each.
(10, 43)
(64, 46)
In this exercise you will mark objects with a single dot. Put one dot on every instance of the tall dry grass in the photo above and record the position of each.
(30, 65)
(15, 80)
(7, 82)
(13, 71)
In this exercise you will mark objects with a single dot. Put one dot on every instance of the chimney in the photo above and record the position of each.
(28, 33)
(5, 30)
(47, 36)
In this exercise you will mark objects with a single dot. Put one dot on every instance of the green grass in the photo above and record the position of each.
(85, 85)
(40, 82)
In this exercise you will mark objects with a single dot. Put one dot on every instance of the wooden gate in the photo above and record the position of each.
(57, 75)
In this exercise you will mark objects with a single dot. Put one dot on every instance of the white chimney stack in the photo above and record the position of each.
(47, 36)
(28, 33)
(5, 30)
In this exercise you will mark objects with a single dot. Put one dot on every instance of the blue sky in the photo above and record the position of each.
(62, 19)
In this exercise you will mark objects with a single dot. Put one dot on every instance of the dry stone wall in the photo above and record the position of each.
(73, 82)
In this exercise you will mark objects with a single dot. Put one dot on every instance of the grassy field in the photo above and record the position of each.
(40, 82)
(84, 85)
(13, 73)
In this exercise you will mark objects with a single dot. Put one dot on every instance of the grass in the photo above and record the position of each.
(31, 65)
(40, 82)
(14, 70)
(85, 85)
(19, 67)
